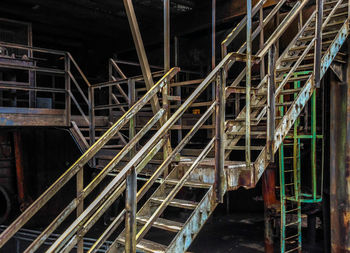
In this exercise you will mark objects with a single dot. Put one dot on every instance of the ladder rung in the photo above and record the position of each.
(291, 250)
(293, 210)
(293, 236)
(292, 223)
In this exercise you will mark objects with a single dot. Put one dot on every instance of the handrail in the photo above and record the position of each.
(37, 49)
(230, 37)
(142, 157)
(78, 165)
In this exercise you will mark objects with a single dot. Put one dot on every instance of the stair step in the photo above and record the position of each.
(324, 35)
(181, 203)
(113, 146)
(146, 245)
(251, 148)
(297, 48)
(294, 79)
(189, 183)
(330, 24)
(299, 68)
(252, 133)
(169, 225)
(290, 91)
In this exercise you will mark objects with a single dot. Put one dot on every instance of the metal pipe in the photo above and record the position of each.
(213, 30)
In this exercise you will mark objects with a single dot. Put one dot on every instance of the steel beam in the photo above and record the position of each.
(166, 35)
(339, 164)
(141, 53)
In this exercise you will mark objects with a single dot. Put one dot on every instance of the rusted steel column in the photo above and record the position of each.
(270, 202)
(318, 42)
(271, 104)
(340, 165)
(141, 53)
(68, 89)
(80, 207)
(248, 83)
(19, 169)
(213, 31)
(219, 137)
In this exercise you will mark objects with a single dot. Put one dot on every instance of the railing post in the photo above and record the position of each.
(131, 184)
(165, 104)
(92, 119)
(220, 137)
(271, 104)
(248, 83)
(68, 89)
(318, 42)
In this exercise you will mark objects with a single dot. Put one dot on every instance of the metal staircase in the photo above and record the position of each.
(254, 133)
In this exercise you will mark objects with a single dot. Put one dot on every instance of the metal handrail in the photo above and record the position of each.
(139, 160)
(78, 165)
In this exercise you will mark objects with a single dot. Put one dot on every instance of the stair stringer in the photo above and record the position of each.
(303, 97)
(194, 223)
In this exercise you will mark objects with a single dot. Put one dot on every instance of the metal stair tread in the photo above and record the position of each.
(169, 225)
(146, 245)
(181, 203)
(189, 183)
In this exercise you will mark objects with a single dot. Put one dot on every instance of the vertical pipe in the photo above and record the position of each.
(248, 83)
(68, 89)
(31, 74)
(110, 89)
(219, 137)
(313, 146)
(131, 185)
(166, 35)
(318, 42)
(271, 104)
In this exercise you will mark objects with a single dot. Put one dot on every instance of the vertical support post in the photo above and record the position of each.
(68, 89)
(178, 88)
(110, 89)
(271, 104)
(270, 201)
(248, 83)
(261, 41)
(166, 35)
(91, 95)
(132, 121)
(213, 30)
(31, 74)
(80, 207)
(318, 42)
(220, 137)
(19, 168)
(213, 53)
(339, 163)
(131, 185)
(166, 106)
